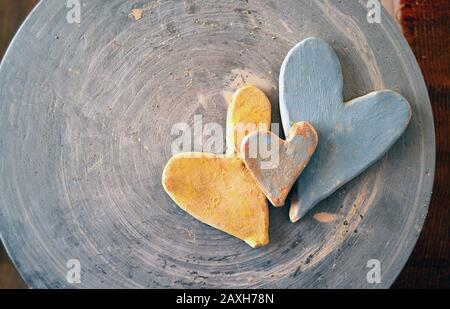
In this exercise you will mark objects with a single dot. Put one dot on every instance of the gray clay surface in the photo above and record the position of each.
(86, 113)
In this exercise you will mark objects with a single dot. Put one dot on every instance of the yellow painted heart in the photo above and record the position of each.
(218, 189)
(249, 111)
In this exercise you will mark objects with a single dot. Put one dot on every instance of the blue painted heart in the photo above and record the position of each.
(352, 135)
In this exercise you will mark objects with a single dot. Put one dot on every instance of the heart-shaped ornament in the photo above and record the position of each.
(218, 189)
(249, 111)
(276, 164)
(353, 135)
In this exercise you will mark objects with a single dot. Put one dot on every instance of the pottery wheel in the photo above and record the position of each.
(86, 113)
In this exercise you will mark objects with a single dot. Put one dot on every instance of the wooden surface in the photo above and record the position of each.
(426, 26)
(12, 14)
(440, 251)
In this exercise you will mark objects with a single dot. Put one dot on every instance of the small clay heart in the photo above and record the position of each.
(276, 164)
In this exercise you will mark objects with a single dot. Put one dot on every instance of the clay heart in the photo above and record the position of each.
(352, 135)
(218, 190)
(249, 111)
(276, 164)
